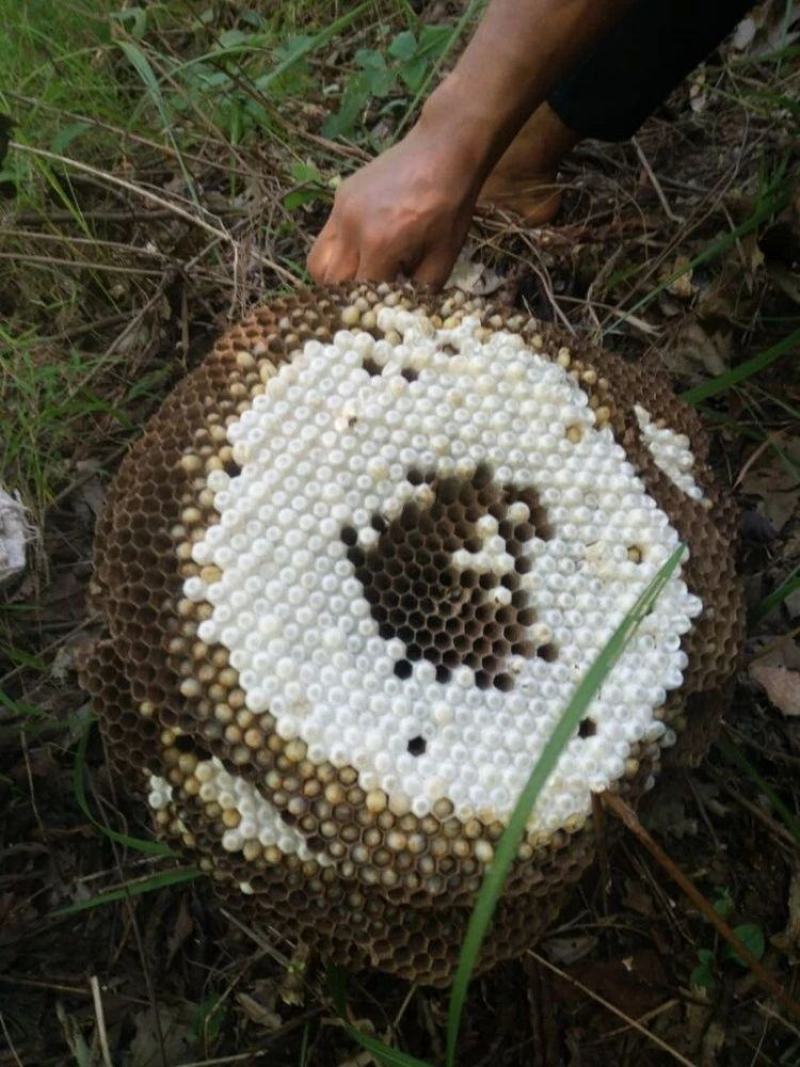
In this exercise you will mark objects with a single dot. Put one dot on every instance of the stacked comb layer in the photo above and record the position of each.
(350, 576)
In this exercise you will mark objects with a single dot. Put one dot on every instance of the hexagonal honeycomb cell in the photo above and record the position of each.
(349, 577)
(428, 587)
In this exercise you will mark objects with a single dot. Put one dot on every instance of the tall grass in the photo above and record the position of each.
(481, 916)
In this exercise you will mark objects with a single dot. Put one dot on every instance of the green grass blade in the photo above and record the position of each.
(26, 711)
(141, 64)
(135, 889)
(412, 18)
(506, 850)
(733, 754)
(774, 199)
(316, 42)
(458, 29)
(6, 126)
(383, 1053)
(313, 44)
(744, 370)
(788, 52)
(777, 596)
(149, 848)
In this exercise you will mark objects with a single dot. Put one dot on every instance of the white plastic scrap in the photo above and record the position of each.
(15, 533)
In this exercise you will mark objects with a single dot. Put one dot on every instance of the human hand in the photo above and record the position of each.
(407, 212)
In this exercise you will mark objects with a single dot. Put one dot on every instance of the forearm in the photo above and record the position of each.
(518, 53)
(408, 210)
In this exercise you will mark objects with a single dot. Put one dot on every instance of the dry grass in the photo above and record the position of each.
(146, 203)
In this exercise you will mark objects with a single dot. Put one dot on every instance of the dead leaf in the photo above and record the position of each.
(63, 662)
(259, 1013)
(782, 686)
(696, 352)
(91, 492)
(698, 97)
(756, 529)
(184, 925)
(766, 29)
(361, 1059)
(778, 672)
(638, 899)
(669, 817)
(567, 950)
(683, 286)
(708, 794)
(774, 478)
(697, 1019)
(783, 652)
(786, 280)
(745, 33)
(472, 276)
(752, 252)
(635, 986)
(788, 941)
(146, 1048)
(713, 1043)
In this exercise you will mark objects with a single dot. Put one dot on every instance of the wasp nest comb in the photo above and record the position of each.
(351, 574)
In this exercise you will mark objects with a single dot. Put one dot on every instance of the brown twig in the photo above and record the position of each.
(56, 986)
(264, 1048)
(773, 753)
(147, 194)
(9, 1042)
(65, 238)
(126, 135)
(631, 821)
(772, 825)
(601, 833)
(71, 332)
(105, 214)
(612, 1008)
(668, 1005)
(655, 183)
(82, 264)
(100, 1019)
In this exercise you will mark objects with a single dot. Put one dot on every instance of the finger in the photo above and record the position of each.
(379, 266)
(333, 264)
(317, 258)
(331, 259)
(434, 269)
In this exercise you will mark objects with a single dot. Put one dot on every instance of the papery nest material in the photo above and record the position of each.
(350, 576)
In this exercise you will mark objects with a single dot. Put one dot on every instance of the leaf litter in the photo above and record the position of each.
(262, 169)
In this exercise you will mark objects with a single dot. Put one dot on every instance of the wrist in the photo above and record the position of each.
(465, 127)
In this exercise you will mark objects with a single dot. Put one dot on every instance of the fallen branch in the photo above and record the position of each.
(631, 821)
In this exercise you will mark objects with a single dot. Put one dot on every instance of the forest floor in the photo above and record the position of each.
(169, 167)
